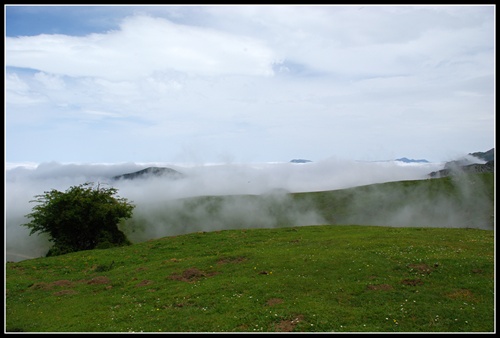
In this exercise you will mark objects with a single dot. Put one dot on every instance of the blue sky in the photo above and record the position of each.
(251, 83)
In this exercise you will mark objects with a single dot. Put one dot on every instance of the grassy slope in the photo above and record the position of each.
(456, 201)
(310, 278)
(461, 201)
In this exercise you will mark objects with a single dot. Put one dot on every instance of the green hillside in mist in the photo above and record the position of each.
(336, 276)
(459, 201)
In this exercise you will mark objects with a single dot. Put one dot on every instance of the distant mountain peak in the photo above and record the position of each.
(410, 160)
(467, 165)
(151, 172)
(485, 156)
(300, 160)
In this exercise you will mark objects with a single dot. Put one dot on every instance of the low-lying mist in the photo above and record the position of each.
(174, 217)
(458, 201)
(217, 197)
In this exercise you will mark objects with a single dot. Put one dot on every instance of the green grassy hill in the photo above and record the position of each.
(465, 200)
(458, 201)
(284, 278)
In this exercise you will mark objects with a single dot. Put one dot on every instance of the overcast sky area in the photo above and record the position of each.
(247, 84)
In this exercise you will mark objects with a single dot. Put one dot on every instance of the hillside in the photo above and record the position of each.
(461, 202)
(417, 276)
(465, 201)
(475, 168)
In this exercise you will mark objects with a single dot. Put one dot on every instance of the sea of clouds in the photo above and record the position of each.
(158, 200)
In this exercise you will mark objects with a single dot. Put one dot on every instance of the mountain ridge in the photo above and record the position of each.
(410, 160)
(151, 172)
(464, 165)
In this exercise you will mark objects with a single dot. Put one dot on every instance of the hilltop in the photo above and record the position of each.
(151, 172)
(486, 156)
(466, 165)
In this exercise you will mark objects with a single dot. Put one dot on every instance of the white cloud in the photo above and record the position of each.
(143, 45)
(258, 82)
(51, 82)
(18, 91)
(15, 84)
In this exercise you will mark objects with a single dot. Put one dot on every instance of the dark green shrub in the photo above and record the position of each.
(85, 217)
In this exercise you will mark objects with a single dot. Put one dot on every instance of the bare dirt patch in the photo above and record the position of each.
(40, 285)
(48, 286)
(288, 325)
(99, 280)
(422, 267)
(63, 282)
(191, 275)
(274, 301)
(65, 292)
(69, 284)
(231, 260)
(375, 287)
(144, 283)
(464, 294)
(412, 282)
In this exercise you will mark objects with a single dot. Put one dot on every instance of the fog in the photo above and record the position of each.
(462, 202)
(167, 207)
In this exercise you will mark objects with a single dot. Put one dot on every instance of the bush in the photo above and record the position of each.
(85, 217)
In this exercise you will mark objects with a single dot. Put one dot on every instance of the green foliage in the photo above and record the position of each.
(85, 217)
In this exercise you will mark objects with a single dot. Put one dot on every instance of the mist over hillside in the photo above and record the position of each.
(478, 162)
(165, 206)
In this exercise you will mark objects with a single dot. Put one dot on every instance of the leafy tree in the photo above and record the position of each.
(85, 217)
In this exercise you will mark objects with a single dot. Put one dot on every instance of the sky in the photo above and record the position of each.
(247, 83)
